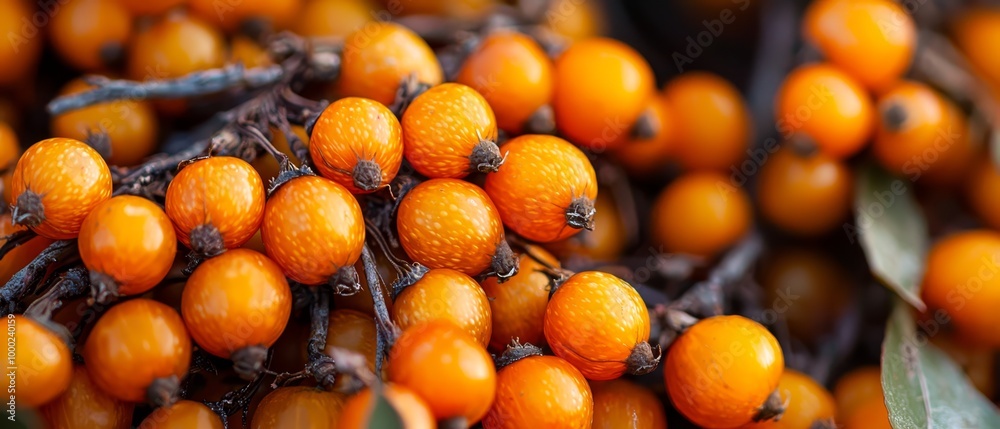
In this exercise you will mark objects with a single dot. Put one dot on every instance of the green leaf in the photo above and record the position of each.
(892, 231)
(384, 415)
(923, 387)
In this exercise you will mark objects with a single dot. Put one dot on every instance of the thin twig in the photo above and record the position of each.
(386, 330)
(29, 276)
(708, 295)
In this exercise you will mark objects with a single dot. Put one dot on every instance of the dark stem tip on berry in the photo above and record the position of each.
(772, 409)
(206, 241)
(580, 214)
(643, 359)
(255, 28)
(286, 175)
(248, 361)
(28, 210)
(516, 351)
(345, 281)
(803, 146)
(486, 157)
(894, 116)
(104, 289)
(505, 262)
(453, 423)
(646, 126)
(827, 423)
(367, 175)
(543, 121)
(112, 54)
(323, 370)
(163, 391)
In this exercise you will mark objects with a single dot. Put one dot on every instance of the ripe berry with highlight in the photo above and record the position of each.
(449, 295)
(622, 403)
(805, 195)
(91, 35)
(357, 143)
(183, 415)
(700, 213)
(541, 390)
(517, 306)
(378, 56)
(42, 365)
(83, 404)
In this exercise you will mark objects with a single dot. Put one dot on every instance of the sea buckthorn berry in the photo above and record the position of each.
(314, 230)
(513, 73)
(603, 243)
(820, 106)
(623, 404)
(10, 146)
(412, 410)
(808, 404)
(856, 388)
(922, 134)
(450, 131)
(19, 256)
(128, 245)
(20, 54)
(216, 204)
(575, 20)
(957, 264)
(871, 415)
(253, 16)
(43, 365)
(378, 56)
(598, 322)
(541, 390)
(822, 291)
(174, 46)
(354, 331)
(713, 122)
(56, 183)
(298, 406)
(461, 9)
(805, 194)
(720, 372)
(546, 189)
(448, 223)
(700, 213)
(602, 86)
(91, 34)
(235, 306)
(517, 306)
(150, 7)
(83, 404)
(332, 18)
(447, 367)
(873, 40)
(139, 350)
(976, 30)
(981, 188)
(646, 155)
(248, 52)
(182, 415)
(449, 295)
(125, 130)
(357, 143)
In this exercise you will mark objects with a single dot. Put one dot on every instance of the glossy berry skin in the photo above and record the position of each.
(175, 45)
(981, 187)
(823, 106)
(355, 331)
(449, 295)
(450, 131)
(133, 344)
(700, 213)
(83, 404)
(42, 366)
(575, 20)
(721, 371)
(182, 415)
(232, 16)
(357, 143)
(20, 54)
(378, 56)
(88, 33)
(236, 300)
(448, 223)
(446, 367)
(808, 403)
(541, 390)
(517, 306)
(856, 388)
(312, 228)
(960, 279)
(976, 30)
(412, 410)
(128, 240)
(596, 321)
(332, 18)
(150, 7)
(546, 189)
(300, 407)
(513, 73)
(216, 204)
(70, 178)
(872, 40)
(601, 88)
(605, 242)
(647, 156)
(805, 195)
(713, 121)
(19, 256)
(623, 404)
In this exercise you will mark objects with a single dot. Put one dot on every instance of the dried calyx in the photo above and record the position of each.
(505, 263)
(643, 359)
(515, 352)
(248, 362)
(580, 213)
(486, 157)
(367, 175)
(28, 210)
(206, 241)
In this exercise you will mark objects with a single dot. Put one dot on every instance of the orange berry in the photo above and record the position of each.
(546, 189)
(446, 367)
(806, 287)
(603, 243)
(622, 403)
(856, 388)
(56, 183)
(247, 51)
(412, 410)
(182, 415)
(873, 40)
(174, 46)
(91, 34)
(575, 20)
(10, 146)
(982, 186)
(448, 223)
(83, 404)
(357, 143)
(976, 31)
(379, 55)
(647, 156)
(721, 371)
(517, 306)
(298, 406)
(20, 54)
(602, 85)
(19, 256)
(599, 323)
(215, 204)
(805, 195)
(807, 403)
(128, 245)
(713, 122)
(42, 366)
(313, 228)
(264, 14)
(871, 415)
(462, 9)
(541, 390)
(150, 7)
(449, 131)
(443, 294)
(332, 18)
(513, 74)
(825, 107)
(138, 350)
(700, 213)
(355, 331)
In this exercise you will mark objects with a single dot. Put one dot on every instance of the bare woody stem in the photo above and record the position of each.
(705, 297)
(386, 330)
(28, 277)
